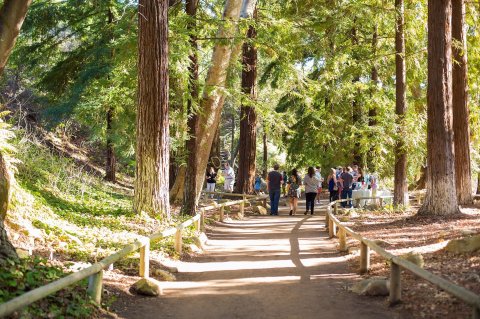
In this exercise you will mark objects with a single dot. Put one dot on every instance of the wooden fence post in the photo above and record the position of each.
(198, 225)
(342, 236)
(242, 208)
(395, 284)
(178, 241)
(222, 213)
(476, 313)
(327, 216)
(357, 202)
(95, 286)
(364, 258)
(335, 209)
(331, 228)
(145, 260)
(202, 220)
(381, 202)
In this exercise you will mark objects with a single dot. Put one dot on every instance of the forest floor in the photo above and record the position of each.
(259, 267)
(404, 232)
(63, 217)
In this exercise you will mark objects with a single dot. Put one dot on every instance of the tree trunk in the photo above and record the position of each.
(248, 117)
(356, 107)
(6, 248)
(212, 101)
(478, 183)
(215, 157)
(400, 192)
(265, 154)
(190, 196)
(152, 153)
(461, 128)
(372, 111)
(441, 197)
(110, 163)
(12, 15)
(232, 140)
(111, 160)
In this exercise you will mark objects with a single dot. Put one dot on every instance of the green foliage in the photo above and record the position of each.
(71, 205)
(21, 276)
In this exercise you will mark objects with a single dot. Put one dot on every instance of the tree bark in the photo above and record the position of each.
(372, 111)
(6, 248)
(232, 136)
(356, 107)
(478, 183)
(441, 197)
(248, 117)
(265, 154)
(400, 192)
(213, 98)
(152, 153)
(461, 127)
(190, 196)
(12, 15)
(111, 161)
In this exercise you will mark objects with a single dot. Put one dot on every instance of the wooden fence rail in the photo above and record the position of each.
(397, 263)
(95, 271)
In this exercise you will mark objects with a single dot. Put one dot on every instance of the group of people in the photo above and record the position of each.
(341, 183)
(277, 181)
(228, 174)
(343, 180)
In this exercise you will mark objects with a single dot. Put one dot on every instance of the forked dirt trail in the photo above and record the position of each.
(262, 267)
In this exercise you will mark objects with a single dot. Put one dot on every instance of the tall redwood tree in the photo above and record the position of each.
(461, 126)
(401, 187)
(190, 194)
(441, 198)
(248, 116)
(152, 153)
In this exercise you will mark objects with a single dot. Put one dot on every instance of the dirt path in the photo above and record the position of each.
(261, 267)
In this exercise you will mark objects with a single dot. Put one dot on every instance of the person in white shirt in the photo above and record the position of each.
(229, 175)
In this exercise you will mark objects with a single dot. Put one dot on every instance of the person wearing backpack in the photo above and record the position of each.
(294, 183)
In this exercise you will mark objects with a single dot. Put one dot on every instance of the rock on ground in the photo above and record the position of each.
(372, 287)
(464, 245)
(147, 287)
(163, 275)
(260, 210)
(415, 258)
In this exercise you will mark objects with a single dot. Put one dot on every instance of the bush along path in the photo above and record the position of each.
(260, 267)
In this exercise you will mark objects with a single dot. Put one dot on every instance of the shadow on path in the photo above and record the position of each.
(261, 267)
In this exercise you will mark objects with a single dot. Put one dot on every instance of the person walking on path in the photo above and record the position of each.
(211, 178)
(285, 178)
(347, 179)
(318, 174)
(332, 185)
(274, 185)
(294, 183)
(311, 188)
(229, 175)
(257, 186)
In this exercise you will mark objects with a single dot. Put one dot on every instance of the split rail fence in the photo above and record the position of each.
(95, 271)
(397, 263)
